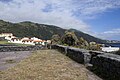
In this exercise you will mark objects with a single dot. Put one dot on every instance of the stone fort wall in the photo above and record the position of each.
(105, 65)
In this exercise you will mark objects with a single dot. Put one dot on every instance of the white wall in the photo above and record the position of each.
(16, 41)
(9, 38)
(6, 34)
(31, 43)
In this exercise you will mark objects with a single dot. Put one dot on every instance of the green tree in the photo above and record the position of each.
(94, 46)
(83, 43)
(56, 39)
(70, 38)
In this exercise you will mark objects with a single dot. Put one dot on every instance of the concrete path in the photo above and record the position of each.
(10, 59)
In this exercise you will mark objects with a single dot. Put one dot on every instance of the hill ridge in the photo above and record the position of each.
(43, 31)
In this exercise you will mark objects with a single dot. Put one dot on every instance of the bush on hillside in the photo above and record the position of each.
(94, 46)
(56, 39)
(69, 38)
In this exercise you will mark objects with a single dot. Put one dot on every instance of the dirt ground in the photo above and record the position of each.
(46, 65)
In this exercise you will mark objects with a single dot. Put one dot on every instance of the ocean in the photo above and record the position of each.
(113, 44)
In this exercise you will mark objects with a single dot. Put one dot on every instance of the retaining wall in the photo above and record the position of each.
(19, 48)
(105, 65)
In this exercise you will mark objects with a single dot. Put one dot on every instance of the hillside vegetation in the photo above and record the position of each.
(43, 31)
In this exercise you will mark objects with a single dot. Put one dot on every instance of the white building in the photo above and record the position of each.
(25, 38)
(34, 42)
(34, 38)
(48, 41)
(30, 41)
(16, 40)
(9, 37)
(6, 34)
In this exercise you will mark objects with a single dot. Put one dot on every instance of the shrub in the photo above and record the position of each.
(70, 39)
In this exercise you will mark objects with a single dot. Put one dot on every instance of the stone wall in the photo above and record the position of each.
(78, 55)
(105, 65)
(2, 38)
(19, 48)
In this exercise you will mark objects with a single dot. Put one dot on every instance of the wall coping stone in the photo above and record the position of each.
(110, 56)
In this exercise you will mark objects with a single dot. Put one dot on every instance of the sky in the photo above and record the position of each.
(100, 18)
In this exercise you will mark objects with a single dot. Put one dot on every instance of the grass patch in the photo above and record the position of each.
(45, 65)
(3, 42)
(16, 44)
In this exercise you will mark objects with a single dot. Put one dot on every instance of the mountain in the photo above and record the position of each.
(43, 31)
(87, 37)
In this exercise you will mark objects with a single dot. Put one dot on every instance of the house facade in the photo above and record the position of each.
(15, 40)
(30, 41)
(34, 42)
(9, 37)
(25, 40)
(6, 34)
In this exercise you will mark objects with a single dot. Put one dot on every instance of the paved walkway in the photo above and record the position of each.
(10, 59)
(47, 65)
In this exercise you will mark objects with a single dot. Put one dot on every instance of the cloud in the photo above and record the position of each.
(114, 33)
(66, 14)
(5, 0)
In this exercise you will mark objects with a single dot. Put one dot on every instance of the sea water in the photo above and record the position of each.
(113, 44)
